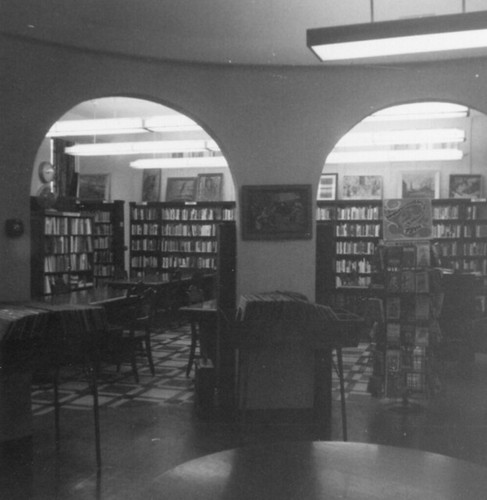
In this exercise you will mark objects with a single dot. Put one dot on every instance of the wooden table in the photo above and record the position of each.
(321, 470)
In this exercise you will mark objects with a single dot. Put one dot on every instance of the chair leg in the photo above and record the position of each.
(148, 351)
(192, 350)
(133, 362)
(57, 430)
(96, 414)
(342, 392)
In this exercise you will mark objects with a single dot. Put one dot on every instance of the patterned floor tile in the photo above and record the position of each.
(170, 385)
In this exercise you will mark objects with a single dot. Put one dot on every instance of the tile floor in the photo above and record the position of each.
(140, 441)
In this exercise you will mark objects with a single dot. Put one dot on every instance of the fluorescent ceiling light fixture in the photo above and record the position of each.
(400, 137)
(105, 126)
(142, 147)
(170, 123)
(422, 35)
(388, 156)
(114, 126)
(420, 111)
(201, 162)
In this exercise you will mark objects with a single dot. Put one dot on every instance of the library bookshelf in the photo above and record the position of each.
(61, 251)
(168, 238)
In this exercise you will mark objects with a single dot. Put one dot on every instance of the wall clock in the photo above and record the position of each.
(46, 171)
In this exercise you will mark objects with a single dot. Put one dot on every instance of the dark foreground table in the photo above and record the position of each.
(321, 470)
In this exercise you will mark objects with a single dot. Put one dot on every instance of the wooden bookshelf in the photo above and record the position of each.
(166, 238)
(108, 238)
(61, 251)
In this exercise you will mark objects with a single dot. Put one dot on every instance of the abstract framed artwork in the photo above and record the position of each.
(281, 212)
(361, 187)
(94, 187)
(420, 184)
(407, 219)
(181, 189)
(209, 187)
(151, 184)
(327, 189)
(466, 186)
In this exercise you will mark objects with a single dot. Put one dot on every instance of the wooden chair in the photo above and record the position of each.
(132, 322)
(194, 296)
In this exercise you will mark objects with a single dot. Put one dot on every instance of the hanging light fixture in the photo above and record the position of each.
(163, 163)
(142, 147)
(410, 39)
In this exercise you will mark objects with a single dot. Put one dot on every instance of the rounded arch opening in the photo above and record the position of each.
(137, 145)
(414, 148)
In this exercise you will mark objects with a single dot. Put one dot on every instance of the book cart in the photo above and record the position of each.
(405, 343)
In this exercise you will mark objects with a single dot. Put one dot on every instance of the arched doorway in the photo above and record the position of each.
(138, 154)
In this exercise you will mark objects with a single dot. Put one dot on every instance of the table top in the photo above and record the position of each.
(319, 470)
(208, 306)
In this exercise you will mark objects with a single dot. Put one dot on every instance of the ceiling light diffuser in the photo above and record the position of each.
(404, 37)
(200, 162)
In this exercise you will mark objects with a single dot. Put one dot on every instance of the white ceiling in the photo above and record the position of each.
(212, 31)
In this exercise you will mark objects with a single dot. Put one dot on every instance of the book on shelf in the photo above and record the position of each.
(408, 308)
(393, 307)
(394, 256)
(393, 281)
(408, 334)
(423, 254)
(408, 282)
(421, 336)
(422, 281)
(408, 256)
(393, 333)
(422, 307)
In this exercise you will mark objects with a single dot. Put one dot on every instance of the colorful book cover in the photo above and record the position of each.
(393, 283)
(423, 255)
(422, 336)
(408, 256)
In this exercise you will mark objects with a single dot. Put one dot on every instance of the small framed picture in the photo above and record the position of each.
(466, 186)
(209, 187)
(181, 189)
(327, 189)
(361, 187)
(94, 187)
(151, 184)
(420, 184)
(276, 212)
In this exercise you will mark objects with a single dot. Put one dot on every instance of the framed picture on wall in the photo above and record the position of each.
(276, 212)
(420, 184)
(209, 187)
(181, 189)
(94, 187)
(407, 219)
(327, 189)
(151, 184)
(361, 187)
(466, 186)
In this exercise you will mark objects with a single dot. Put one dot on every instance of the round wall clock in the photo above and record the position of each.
(46, 171)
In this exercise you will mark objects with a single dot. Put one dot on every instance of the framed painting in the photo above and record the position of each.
(466, 186)
(361, 187)
(181, 189)
(276, 212)
(209, 187)
(407, 219)
(420, 184)
(327, 189)
(94, 187)
(151, 184)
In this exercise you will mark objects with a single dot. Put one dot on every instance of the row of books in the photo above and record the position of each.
(103, 270)
(64, 263)
(347, 229)
(64, 225)
(355, 247)
(67, 244)
(183, 214)
(102, 243)
(177, 229)
(103, 230)
(105, 256)
(362, 266)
